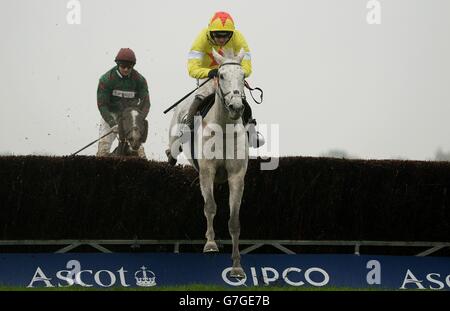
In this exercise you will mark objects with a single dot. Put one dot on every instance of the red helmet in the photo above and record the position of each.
(126, 55)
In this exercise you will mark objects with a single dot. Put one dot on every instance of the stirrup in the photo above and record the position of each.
(252, 121)
(256, 140)
(170, 159)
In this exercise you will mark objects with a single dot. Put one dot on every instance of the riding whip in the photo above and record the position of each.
(186, 96)
(75, 153)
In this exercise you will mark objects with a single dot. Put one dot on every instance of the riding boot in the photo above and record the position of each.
(255, 138)
(192, 111)
(190, 118)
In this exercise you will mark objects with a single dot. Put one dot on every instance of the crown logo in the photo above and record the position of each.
(145, 278)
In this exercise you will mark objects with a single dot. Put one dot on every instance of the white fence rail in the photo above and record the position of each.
(252, 245)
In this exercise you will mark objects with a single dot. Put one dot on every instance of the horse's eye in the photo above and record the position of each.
(222, 76)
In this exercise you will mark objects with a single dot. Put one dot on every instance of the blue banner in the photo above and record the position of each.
(162, 269)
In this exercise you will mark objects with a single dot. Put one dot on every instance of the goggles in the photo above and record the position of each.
(221, 34)
(125, 65)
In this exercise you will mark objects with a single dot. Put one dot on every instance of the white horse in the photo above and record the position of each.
(230, 150)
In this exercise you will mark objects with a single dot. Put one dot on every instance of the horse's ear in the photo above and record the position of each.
(229, 53)
(241, 55)
(219, 58)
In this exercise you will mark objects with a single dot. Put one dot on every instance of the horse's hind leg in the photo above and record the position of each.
(170, 159)
(207, 186)
(236, 185)
(174, 150)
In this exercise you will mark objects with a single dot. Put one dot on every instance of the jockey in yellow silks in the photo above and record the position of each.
(220, 34)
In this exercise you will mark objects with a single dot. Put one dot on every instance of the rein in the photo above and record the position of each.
(246, 84)
(255, 89)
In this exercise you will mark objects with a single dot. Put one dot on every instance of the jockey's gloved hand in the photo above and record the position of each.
(115, 129)
(213, 73)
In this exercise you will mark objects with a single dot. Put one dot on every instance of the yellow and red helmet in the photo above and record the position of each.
(221, 21)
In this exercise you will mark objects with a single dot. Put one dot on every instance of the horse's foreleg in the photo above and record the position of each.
(210, 208)
(236, 185)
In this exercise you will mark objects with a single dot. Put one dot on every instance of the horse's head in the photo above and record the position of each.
(132, 127)
(230, 85)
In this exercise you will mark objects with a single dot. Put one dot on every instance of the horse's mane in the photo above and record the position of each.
(229, 56)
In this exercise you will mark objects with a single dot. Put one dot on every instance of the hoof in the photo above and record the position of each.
(210, 247)
(237, 273)
(171, 160)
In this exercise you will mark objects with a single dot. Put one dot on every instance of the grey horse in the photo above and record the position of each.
(224, 153)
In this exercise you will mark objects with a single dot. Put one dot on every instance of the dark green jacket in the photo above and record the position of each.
(115, 93)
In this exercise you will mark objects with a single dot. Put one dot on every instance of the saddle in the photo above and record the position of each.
(208, 102)
(206, 105)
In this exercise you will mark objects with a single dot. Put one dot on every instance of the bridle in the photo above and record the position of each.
(236, 93)
(123, 135)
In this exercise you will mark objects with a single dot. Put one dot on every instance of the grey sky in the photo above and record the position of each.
(330, 79)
